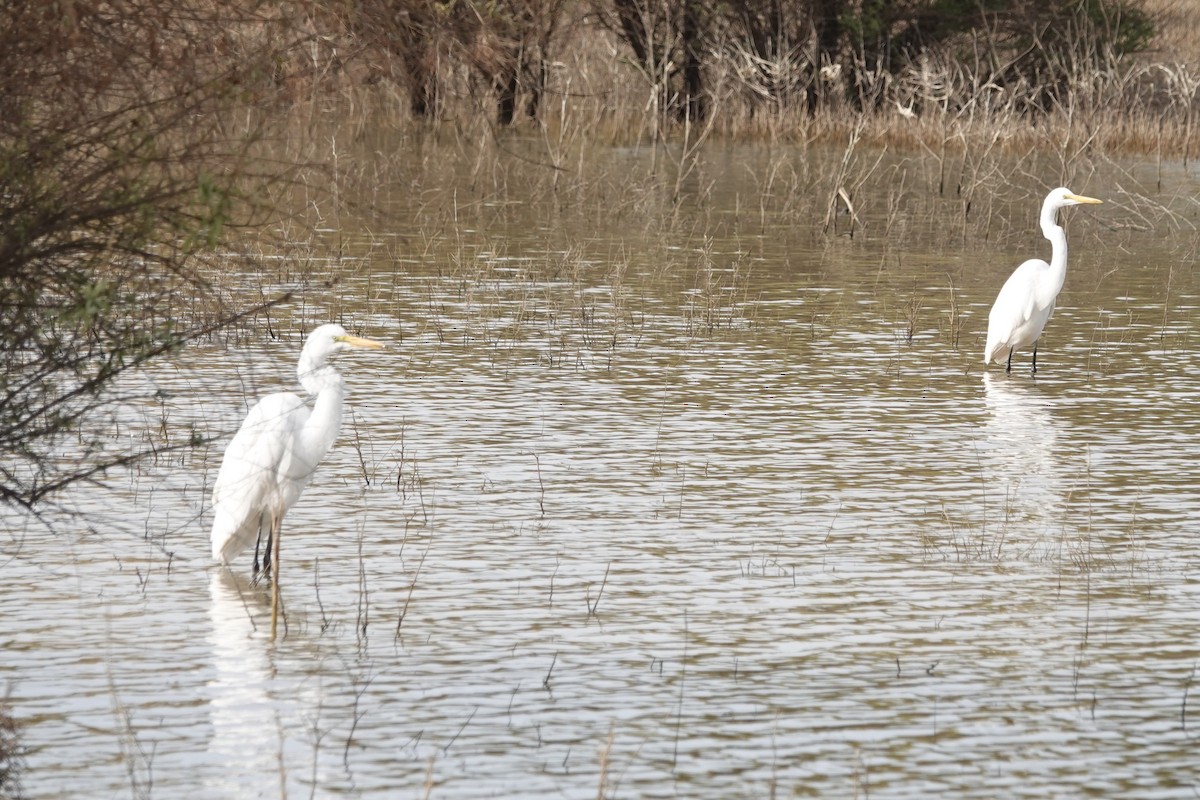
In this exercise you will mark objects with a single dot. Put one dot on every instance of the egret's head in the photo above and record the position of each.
(314, 370)
(1062, 196)
(328, 339)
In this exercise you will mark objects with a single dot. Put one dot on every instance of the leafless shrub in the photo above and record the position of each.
(125, 159)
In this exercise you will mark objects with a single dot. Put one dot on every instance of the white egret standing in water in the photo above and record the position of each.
(1027, 298)
(276, 451)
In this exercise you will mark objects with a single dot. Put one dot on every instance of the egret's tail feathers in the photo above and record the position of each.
(231, 536)
(995, 351)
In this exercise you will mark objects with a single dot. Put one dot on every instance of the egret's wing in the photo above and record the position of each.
(1014, 307)
(248, 481)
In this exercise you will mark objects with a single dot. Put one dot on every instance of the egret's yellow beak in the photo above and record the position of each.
(356, 341)
(1078, 198)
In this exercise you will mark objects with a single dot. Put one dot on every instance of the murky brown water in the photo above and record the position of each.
(664, 507)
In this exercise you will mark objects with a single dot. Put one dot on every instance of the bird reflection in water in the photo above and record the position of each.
(239, 701)
(1018, 454)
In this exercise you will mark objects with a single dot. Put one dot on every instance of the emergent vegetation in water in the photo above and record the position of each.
(276, 452)
(1026, 300)
(12, 761)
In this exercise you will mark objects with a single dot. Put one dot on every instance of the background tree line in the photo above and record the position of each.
(776, 53)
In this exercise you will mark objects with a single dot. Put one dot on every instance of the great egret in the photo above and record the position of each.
(1027, 298)
(276, 451)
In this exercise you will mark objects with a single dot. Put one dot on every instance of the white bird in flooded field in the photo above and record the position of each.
(275, 452)
(1026, 300)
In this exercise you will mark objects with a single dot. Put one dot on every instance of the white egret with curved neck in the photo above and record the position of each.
(1026, 300)
(275, 452)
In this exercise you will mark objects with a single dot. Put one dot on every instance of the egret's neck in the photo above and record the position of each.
(325, 383)
(1058, 244)
(316, 375)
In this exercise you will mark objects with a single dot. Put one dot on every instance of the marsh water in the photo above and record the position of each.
(662, 496)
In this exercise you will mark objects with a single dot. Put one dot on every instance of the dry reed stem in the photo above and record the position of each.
(606, 753)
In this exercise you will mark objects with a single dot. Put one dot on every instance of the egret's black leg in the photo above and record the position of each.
(267, 556)
(1008, 367)
(257, 542)
(1033, 370)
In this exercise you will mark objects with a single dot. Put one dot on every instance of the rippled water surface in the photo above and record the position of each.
(717, 508)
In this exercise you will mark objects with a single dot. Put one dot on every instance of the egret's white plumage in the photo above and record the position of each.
(278, 447)
(262, 474)
(1026, 300)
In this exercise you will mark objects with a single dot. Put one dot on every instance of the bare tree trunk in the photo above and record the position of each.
(420, 76)
(827, 27)
(506, 83)
(694, 107)
(633, 29)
